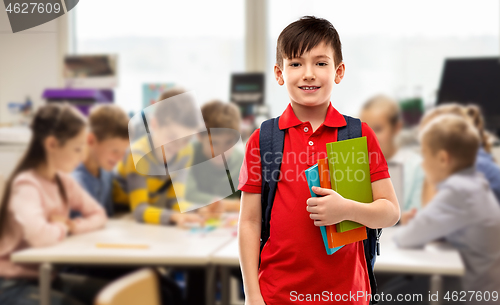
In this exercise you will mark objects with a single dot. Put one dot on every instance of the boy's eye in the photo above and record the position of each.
(322, 64)
(294, 64)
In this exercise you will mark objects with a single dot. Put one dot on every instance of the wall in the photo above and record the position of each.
(30, 61)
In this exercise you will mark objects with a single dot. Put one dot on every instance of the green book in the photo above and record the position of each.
(350, 173)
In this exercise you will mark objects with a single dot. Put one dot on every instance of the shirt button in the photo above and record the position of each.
(311, 143)
(306, 129)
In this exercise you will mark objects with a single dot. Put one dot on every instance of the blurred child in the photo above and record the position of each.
(222, 120)
(464, 211)
(38, 197)
(383, 115)
(144, 186)
(484, 161)
(107, 143)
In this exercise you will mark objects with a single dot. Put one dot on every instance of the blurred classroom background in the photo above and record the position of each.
(419, 53)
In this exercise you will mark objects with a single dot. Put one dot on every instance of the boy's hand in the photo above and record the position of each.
(183, 219)
(213, 210)
(407, 216)
(329, 209)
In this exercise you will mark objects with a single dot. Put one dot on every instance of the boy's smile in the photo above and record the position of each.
(309, 78)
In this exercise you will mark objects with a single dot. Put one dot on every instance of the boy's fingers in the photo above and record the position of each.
(312, 209)
(312, 201)
(321, 191)
(319, 223)
(314, 216)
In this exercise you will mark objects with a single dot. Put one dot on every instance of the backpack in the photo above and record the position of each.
(271, 142)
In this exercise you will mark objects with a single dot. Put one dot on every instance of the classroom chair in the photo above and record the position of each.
(140, 287)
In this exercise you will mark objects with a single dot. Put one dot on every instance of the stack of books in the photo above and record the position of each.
(346, 170)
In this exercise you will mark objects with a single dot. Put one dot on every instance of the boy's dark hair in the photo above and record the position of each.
(303, 35)
(179, 110)
(218, 114)
(108, 121)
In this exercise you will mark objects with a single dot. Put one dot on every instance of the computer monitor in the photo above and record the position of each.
(473, 81)
(91, 71)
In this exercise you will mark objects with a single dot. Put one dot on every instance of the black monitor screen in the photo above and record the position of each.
(473, 81)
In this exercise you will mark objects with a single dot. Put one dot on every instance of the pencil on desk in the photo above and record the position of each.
(122, 246)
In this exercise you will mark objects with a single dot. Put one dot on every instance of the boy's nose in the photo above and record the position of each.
(309, 75)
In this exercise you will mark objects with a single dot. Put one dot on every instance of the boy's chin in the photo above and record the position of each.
(309, 102)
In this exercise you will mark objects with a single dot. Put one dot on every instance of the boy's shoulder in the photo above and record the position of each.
(466, 185)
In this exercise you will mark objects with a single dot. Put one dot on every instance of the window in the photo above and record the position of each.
(390, 46)
(195, 44)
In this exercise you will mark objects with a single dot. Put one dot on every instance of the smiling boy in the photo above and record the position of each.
(293, 260)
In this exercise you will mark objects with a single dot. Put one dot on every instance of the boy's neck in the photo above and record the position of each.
(92, 166)
(313, 114)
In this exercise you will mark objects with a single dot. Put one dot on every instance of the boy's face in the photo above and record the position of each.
(173, 136)
(437, 165)
(378, 120)
(108, 152)
(222, 143)
(309, 79)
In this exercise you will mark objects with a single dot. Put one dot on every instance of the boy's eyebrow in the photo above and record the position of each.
(318, 56)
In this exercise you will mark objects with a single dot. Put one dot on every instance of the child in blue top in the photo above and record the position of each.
(107, 143)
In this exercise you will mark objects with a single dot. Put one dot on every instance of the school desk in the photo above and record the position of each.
(436, 260)
(125, 242)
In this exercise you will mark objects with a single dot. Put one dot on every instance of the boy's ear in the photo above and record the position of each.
(278, 74)
(443, 157)
(339, 73)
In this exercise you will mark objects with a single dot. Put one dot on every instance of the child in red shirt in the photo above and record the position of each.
(294, 265)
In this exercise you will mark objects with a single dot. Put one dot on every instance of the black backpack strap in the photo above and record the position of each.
(353, 129)
(271, 141)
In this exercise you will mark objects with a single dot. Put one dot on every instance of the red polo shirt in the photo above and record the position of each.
(294, 265)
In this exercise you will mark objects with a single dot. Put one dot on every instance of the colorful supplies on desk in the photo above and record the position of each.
(350, 174)
(312, 176)
(337, 239)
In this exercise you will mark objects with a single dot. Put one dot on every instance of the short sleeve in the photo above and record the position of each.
(250, 178)
(378, 164)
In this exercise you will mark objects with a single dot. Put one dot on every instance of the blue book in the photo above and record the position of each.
(312, 177)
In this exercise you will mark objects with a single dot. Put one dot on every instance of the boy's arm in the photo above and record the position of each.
(333, 208)
(383, 212)
(444, 215)
(249, 227)
(139, 205)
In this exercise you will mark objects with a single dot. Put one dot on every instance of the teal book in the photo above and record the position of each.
(350, 174)
(312, 177)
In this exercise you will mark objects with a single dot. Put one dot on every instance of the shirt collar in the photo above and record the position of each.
(333, 118)
(468, 171)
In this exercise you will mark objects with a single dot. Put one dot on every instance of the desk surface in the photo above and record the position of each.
(433, 259)
(158, 245)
